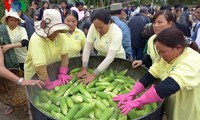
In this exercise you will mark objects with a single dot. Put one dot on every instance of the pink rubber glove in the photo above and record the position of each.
(62, 76)
(149, 96)
(138, 88)
(49, 85)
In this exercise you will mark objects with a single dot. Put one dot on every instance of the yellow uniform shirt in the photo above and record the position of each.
(43, 51)
(151, 48)
(77, 40)
(16, 36)
(111, 40)
(185, 70)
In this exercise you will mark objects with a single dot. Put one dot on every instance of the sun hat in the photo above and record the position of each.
(50, 23)
(116, 6)
(11, 13)
(80, 13)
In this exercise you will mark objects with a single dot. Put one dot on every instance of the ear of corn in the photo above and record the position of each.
(72, 112)
(70, 102)
(63, 106)
(76, 101)
(83, 111)
(107, 114)
(97, 113)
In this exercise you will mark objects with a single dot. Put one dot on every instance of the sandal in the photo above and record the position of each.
(9, 110)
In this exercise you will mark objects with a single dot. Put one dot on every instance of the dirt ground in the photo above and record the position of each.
(20, 113)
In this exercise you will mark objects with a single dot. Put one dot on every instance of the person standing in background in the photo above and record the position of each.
(33, 10)
(117, 13)
(63, 8)
(28, 24)
(45, 5)
(136, 25)
(196, 34)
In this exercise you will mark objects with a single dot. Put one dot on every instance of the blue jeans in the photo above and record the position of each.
(137, 53)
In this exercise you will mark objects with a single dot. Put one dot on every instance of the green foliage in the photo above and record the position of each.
(2, 9)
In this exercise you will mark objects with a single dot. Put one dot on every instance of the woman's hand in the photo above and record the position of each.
(82, 73)
(32, 83)
(136, 63)
(6, 47)
(87, 79)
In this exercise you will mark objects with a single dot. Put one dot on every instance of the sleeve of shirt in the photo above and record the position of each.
(167, 87)
(64, 44)
(116, 38)
(153, 70)
(90, 35)
(23, 33)
(186, 74)
(83, 40)
(198, 38)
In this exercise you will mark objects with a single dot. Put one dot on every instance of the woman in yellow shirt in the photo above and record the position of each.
(47, 46)
(106, 37)
(161, 20)
(178, 69)
(75, 37)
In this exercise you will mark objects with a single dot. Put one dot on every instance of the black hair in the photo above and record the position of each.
(167, 14)
(73, 13)
(69, 6)
(197, 7)
(86, 26)
(81, 4)
(116, 12)
(185, 8)
(165, 7)
(36, 2)
(44, 3)
(171, 37)
(63, 1)
(77, 4)
(177, 5)
(102, 15)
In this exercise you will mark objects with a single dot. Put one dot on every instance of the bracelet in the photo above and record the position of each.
(19, 82)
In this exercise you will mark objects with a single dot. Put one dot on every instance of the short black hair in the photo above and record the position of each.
(36, 2)
(86, 26)
(116, 12)
(165, 7)
(177, 5)
(197, 7)
(102, 15)
(63, 1)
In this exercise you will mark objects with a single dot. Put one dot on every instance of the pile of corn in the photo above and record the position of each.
(75, 101)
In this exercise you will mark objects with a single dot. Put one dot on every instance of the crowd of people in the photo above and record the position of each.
(165, 39)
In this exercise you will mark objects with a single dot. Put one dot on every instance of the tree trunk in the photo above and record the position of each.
(101, 4)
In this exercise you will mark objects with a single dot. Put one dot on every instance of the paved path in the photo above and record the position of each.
(20, 113)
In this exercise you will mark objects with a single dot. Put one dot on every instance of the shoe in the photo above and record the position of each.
(9, 110)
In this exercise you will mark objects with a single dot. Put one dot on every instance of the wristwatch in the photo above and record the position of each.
(19, 82)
